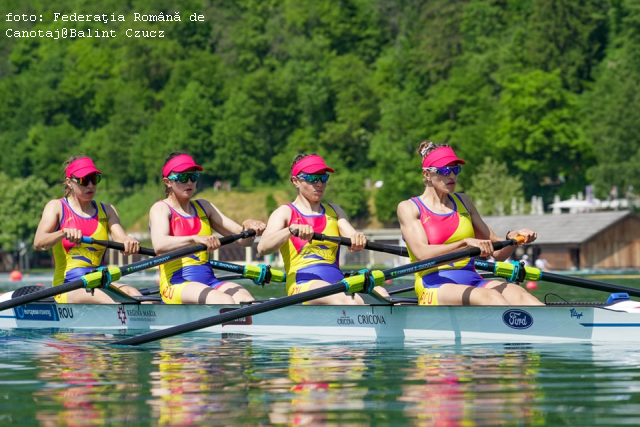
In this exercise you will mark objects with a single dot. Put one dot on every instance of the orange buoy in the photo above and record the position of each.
(531, 285)
(15, 276)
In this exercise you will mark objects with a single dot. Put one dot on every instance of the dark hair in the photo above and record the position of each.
(66, 189)
(167, 190)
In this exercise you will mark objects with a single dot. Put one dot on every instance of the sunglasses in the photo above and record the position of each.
(183, 177)
(314, 177)
(446, 170)
(93, 178)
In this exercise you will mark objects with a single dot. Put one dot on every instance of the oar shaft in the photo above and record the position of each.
(116, 245)
(345, 241)
(505, 269)
(42, 294)
(235, 314)
(588, 284)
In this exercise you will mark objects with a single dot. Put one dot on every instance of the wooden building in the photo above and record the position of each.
(609, 240)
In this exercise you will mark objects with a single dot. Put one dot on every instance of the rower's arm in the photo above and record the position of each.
(226, 226)
(277, 232)
(358, 239)
(131, 244)
(47, 233)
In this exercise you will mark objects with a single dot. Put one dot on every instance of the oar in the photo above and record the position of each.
(344, 241)
(260, 274)
(115, 245)
(512, 271)
(350, 284)
(95, 279)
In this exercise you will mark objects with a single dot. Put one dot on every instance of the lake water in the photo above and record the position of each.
(66, 379)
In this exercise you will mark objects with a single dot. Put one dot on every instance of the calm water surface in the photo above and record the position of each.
(64, 378)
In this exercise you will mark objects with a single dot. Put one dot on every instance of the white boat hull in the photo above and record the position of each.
(617, 323)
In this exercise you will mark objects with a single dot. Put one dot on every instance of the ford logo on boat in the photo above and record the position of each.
(517, 319)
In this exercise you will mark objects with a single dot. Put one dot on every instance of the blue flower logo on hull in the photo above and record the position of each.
(517, 319)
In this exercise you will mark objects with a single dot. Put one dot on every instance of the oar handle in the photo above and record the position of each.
(115, 245)
(447, 258)
(345, 241)
(395, 250)
(150, 252)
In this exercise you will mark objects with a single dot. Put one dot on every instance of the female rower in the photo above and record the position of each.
(311, 264)
(441, 221)
(65, 221)
(178, 222)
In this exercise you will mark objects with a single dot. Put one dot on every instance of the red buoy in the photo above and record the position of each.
(15, 276)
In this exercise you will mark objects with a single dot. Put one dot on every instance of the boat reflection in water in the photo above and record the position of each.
(84, 384)
(203, 385)
(445, 388)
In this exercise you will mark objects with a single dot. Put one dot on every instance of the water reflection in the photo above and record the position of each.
(323, 385)
(449, 388)
(91, 385)
(211, 380)
(202, 386)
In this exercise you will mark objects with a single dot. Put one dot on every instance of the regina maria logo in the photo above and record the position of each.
(517, 319)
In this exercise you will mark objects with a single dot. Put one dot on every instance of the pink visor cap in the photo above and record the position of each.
(310, 164)
(440, 157)
(179, 164)
(80, 168)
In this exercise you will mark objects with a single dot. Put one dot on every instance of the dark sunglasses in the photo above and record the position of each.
(93, 178)
(183, 177)
(446, 170)
(314, 177)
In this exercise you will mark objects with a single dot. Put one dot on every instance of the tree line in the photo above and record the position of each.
(537, 95)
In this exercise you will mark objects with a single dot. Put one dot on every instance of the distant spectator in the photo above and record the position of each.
(543, 264)
(525, 260)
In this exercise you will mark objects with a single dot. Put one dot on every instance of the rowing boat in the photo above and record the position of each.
(616, 322)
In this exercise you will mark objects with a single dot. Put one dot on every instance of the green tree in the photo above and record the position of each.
(21, 208)
(492, 186)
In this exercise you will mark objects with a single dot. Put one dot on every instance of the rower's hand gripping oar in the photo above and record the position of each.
(351, 284)
(106, 275)
(519, 273)
(260, 274)
(115, 245)
(344, 241)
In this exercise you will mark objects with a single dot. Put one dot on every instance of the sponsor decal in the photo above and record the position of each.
(345, 320)
(140, 314)
(517, 319)
(574, 313)
(122, 315)
(241, 321)
(371, 319)
(46, 312)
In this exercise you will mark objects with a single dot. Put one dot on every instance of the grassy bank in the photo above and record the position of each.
(133, 207)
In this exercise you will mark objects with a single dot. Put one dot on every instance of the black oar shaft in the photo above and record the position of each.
(344, 241)
(230, 316)
(42, 294)
(588, 284)
(505, 269)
